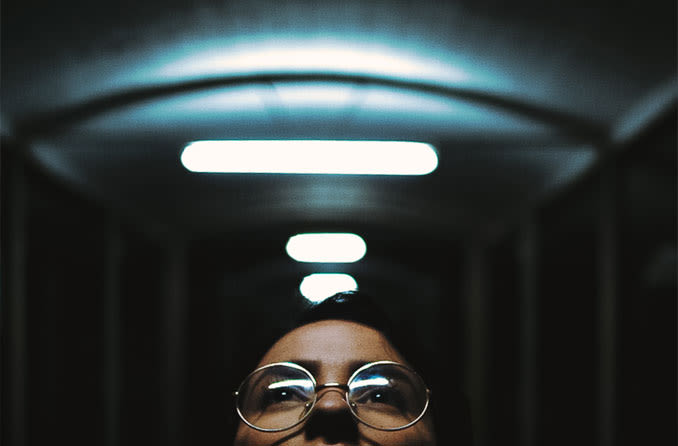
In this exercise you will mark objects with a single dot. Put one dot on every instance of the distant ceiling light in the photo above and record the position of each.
(326, 247)
(311, 157)
(319, 286)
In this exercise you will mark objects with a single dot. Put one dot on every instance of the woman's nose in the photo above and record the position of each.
(331, 400)
(331, 420)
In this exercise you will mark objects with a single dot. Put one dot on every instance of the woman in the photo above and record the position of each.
(335, 378)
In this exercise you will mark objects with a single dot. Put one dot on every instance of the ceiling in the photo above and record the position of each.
(518, 100)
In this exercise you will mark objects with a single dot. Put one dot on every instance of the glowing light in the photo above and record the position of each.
(315, 94)
(326, 247)
(379, 381)
(282, 55)
(319, 286)
(311, 157)
(290, 383)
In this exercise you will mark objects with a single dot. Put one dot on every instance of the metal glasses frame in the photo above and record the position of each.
(345, 387)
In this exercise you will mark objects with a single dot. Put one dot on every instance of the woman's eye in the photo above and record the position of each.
(282, 395)
(379, 397)
(382, 396)
(383, 399)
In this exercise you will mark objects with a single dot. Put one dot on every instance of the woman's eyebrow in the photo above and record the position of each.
(313, 366)
(310, 365)
(355, 365)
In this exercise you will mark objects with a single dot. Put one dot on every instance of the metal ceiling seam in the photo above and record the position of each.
(54, 121)
(647, 110)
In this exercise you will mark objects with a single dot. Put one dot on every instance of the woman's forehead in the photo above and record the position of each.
(335, 343)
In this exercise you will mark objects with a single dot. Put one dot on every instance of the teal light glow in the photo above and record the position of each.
(326, 247)
(311, 157)
(316, 95)
(319, 55)
(315, 110)
(319, 286)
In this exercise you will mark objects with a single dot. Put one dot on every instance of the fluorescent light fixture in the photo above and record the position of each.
(311, 157)
(326, 247)
(319, 286)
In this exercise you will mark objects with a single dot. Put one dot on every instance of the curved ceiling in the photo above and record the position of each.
(517, 99)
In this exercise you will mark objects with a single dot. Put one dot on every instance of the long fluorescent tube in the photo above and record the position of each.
(311, 157)
(318, 287)
(326, 247)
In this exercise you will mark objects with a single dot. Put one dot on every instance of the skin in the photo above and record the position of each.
(333, 349)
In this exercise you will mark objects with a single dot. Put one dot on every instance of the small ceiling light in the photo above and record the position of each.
(319, 286)
(311, 157)
(326, 247)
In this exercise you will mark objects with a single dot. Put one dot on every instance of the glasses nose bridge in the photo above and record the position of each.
(330, 385)
(326, 402)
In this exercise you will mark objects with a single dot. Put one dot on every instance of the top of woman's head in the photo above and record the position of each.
(362, 308)
(352, 306)
(357, 306)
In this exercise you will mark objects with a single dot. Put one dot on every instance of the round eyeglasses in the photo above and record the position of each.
(384, 395)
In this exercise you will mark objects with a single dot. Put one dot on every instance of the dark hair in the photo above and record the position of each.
(351, 306)
(358, 306)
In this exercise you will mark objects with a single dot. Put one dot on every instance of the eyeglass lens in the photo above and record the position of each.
(276, 397)
(387, 396)
(384, 396)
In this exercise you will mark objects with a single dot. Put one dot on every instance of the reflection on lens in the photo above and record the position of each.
(383, 395)
(276, 397)
(387, 396)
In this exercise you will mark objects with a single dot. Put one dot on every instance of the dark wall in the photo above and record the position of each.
(647, 288)
(83, 317)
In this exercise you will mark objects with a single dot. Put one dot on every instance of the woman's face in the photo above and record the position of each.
(332, 350)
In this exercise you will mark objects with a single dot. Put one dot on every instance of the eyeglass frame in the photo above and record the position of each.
(344, 387)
